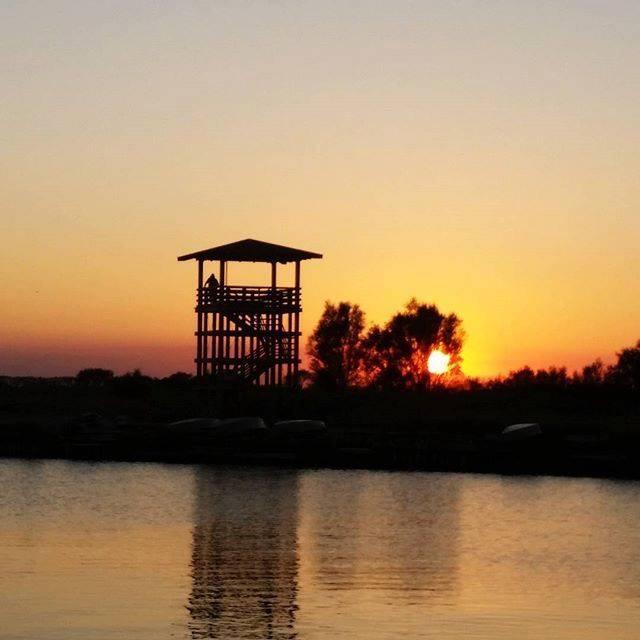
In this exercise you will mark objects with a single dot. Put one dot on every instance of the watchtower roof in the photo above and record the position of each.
(252, 251)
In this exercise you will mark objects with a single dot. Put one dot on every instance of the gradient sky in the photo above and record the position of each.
(482, 155)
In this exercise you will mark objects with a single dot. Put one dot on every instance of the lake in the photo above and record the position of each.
(135, 551)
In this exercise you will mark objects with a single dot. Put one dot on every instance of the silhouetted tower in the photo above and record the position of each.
(248, 333)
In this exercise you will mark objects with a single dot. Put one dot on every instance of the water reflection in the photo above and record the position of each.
(108, 552)
(245, 554)
(377, 531)
(528, 538)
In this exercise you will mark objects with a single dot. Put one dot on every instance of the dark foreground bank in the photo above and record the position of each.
(590, 432)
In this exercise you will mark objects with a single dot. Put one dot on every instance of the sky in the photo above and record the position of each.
(480, 155)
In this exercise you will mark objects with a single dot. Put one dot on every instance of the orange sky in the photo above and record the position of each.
(482, 156)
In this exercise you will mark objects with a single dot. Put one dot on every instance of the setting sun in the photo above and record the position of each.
(438, 362)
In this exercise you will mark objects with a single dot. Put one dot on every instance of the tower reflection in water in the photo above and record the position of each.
(245, 554)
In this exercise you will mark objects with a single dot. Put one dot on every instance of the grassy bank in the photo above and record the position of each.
(586, 431)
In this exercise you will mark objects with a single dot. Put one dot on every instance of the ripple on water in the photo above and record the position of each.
(150, 551)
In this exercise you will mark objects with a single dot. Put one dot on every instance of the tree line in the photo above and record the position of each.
(343, 354)
(623, 373)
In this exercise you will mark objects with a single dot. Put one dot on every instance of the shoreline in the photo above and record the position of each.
(340, 447)
(585, 431)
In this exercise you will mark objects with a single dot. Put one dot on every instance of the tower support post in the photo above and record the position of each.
(199, 313)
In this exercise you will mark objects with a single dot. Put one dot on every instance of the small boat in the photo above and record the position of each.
(195, 424)
(207, 434)
(300, 426)
(241, 426)
(521, 431)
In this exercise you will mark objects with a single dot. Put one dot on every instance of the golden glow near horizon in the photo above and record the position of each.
(438, 362)
(479, 156)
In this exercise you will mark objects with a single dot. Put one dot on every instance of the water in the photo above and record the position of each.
(136, 551)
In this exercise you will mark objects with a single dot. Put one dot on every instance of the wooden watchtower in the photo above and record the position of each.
(248, 333)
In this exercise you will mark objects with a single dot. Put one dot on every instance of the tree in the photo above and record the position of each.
(396, 355)
(522, 377)
(592, 374)
(335, 346)
(133, 384)
(178, 380)
(94, 377)
(626, 371)
(552, 377)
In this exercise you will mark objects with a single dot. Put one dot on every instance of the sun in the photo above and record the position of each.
(438, 362)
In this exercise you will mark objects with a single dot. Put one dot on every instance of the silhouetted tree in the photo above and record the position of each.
(520, 377)
(527, 377)
(335, 346)
(396, 355)
(133, 384)
(626, 371)
(178, 380)
(94, 377)
(552, 377)
(592, 374)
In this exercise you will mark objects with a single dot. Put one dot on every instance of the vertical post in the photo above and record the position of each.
(272, 326)
(199, 317)
(289, 339)
(227, 336)
(205, 338)
(255, 323)
(214, 330)
(221, 323)
(296, 327)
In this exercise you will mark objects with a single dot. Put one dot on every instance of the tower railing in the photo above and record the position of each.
(277, 298)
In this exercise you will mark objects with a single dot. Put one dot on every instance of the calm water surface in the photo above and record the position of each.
(136, 551)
